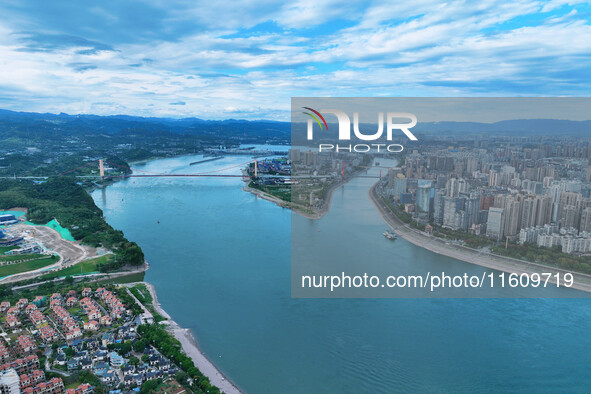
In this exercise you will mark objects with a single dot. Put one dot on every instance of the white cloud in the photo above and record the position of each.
(554, 4)
(422, 48)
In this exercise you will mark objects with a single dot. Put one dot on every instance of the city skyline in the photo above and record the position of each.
(518, 189)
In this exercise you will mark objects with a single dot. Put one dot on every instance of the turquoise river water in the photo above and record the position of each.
(220, 261)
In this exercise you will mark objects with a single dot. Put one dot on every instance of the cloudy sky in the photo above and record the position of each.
(246, 59)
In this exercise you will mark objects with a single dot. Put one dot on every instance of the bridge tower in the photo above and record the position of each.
(102, 169)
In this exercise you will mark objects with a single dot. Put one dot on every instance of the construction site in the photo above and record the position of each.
(27, 250)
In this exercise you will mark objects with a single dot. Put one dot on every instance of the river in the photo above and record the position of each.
(220, 261)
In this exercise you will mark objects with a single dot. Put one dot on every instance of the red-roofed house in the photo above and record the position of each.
(91, 325)
(12, 321)
(71, 302)
(22, 303)
(106, 320)
(26, 344)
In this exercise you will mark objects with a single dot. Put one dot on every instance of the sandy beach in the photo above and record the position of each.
(192, 349)
(488, 260)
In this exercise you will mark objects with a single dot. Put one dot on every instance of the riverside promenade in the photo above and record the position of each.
(469, 255)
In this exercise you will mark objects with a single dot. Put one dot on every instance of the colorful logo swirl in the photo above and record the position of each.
(315, 118)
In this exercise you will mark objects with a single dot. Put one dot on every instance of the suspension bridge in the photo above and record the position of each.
(131, 172)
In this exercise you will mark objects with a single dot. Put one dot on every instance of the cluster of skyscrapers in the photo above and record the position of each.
(506, 190)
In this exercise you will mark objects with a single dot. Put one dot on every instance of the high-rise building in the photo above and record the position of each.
(472, 210)
(425, 201)
(439, 206)
(493, 178)
(450, 206)
(547, 181)
(394, 173)
(399, 186)
(452, 187)
(528, 213)
(512, 218)
(500, 201)
(586, 220)
(495, 224)
(294, 155)
(544, 210)
(483, 216)
(471, 165)
(532, 187)
(463, 186)
(461, 221)
(565, 199)
(570, 217)
(554, 192)
(441, 182)
(9, 382)
(584, 203)
(486, 202)
(456, 186)
(310, 158)
(574, 186)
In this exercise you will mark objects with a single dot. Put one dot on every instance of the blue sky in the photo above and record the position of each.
(246, 59)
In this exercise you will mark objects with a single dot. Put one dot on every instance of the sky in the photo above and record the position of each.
(444, 109)
(246, 59)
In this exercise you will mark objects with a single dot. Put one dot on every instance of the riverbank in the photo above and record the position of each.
(469, 255)
(191, 348)
(284, 204)
(318, 214)
(183, 335)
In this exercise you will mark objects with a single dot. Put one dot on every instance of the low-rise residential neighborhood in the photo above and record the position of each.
(77, 342)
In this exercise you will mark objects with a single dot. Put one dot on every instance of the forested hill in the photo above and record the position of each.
(63, 199)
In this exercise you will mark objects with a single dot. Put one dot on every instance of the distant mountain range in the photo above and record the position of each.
(521, 126)
(124, 124)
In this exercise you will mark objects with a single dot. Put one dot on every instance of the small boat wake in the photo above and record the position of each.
(390, 235)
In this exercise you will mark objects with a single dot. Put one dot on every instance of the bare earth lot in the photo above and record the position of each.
(70, 253)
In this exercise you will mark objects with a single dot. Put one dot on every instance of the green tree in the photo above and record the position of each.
(150, 386)
(182, 377)
(139, 346)
(125, 347)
